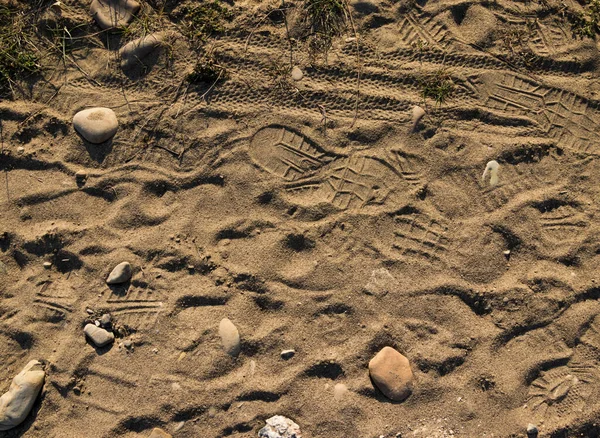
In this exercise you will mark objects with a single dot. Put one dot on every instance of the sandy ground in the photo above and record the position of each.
(271, 201)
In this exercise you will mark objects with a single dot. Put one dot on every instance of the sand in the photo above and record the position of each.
(271, 202)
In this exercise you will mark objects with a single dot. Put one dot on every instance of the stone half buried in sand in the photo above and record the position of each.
(96, 125)
(133, 52)
(159, 433)
(120, 274)
(391, 373)
(280, 427)
(99, 336)
(113, 13)
(16, 404)
(230, 337)
(381, 283)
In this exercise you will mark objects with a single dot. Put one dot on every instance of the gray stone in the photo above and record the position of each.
(288, 354)
(120, 274)
(96, 125)
(380, 283)
(113, 13)
(18, 401)
(105, 319)
(230, 337)
(391, 373)
(280, 427)
(134, 51)
(99, 336)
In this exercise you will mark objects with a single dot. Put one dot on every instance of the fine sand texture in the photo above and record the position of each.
(291, 192)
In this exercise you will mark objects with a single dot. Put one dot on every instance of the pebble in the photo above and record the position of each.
(287, 354)
(339, 391)
(99, 336)
(96, 125)
(381, 283)
(297, 74)
(128, 344)
(20, 150)
(105, 320)
(120, 274)
(391, 373)
(532, 430)
(81, 176)
(132, 52)
(159, 433)
(230, 337)
(16, 403)
(113, 13)
(280, 427)
(47, 265)
(417, 115)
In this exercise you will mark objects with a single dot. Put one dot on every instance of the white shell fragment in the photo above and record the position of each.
(230, 337)
(18, 401)
(96, 125)
(280, 427)
(492, 168)
(417, 115)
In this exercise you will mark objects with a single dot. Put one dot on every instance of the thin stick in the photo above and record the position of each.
(1, 153)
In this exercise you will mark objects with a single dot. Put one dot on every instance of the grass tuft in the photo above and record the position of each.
(205, 20)
(207, 70)
(587, 23)
(17, 58)
(437, 86)
(326, 19)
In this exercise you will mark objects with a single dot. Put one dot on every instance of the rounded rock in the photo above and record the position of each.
(287, 354)
(159, 433)
(391, 373)
(230, 337)
(132, 52)
(96, 125)
(297, 74)
(17, 402)
(99, 336)
(113, 13)
(120, 274)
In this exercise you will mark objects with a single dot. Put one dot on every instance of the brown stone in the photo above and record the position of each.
(391, 373)
(159, 433)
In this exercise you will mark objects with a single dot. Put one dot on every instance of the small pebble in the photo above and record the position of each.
(159, 433)
(98, 336)
(20, 150)
(81, 176)
(297, 74)
(89, 311)
(391, 373)
(47, 265)
(128, 344)
(287, 354)
(96, 125)
(532, 430)
(280, 427)
(105, 319)
(230, 337)
(120, 274)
